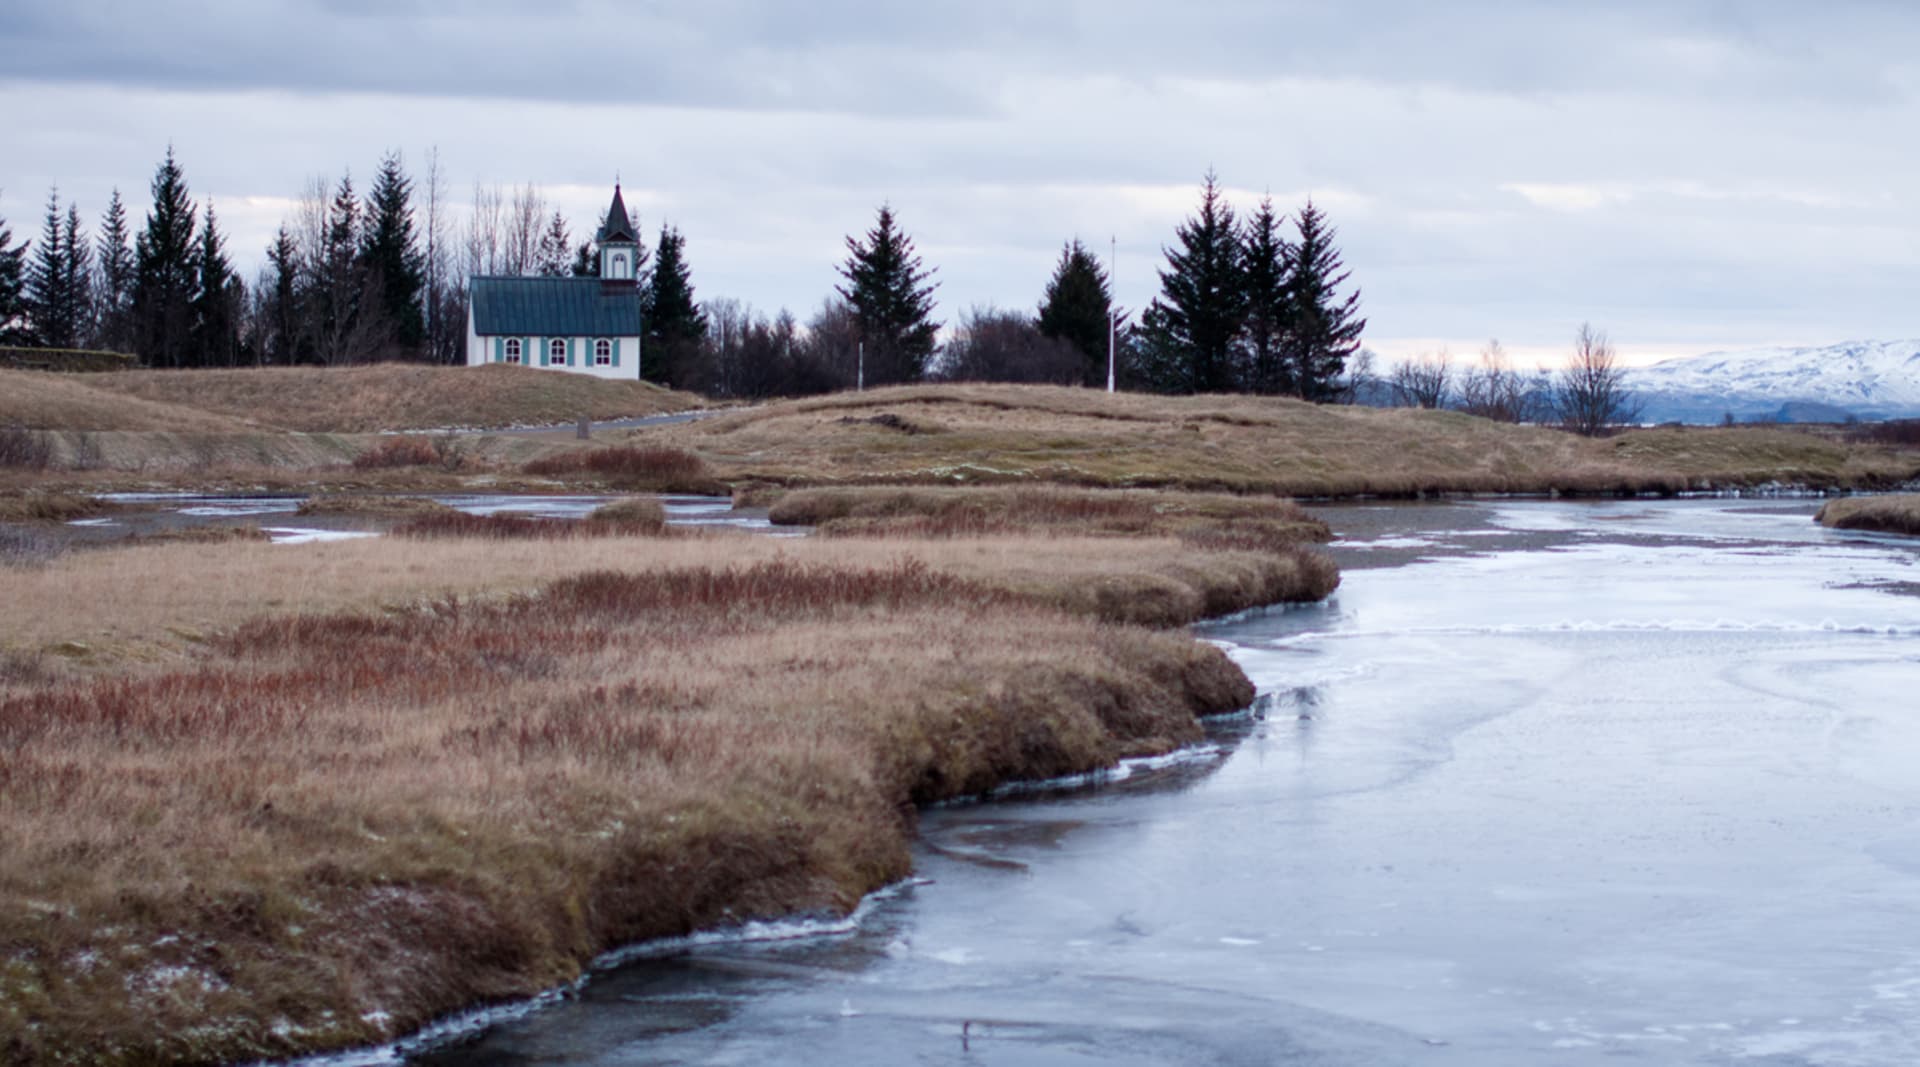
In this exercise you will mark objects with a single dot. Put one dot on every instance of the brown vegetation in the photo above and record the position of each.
(949, 512)
(332, 825)
(395, 396)
(49, 507)
(1883, 514)
(631, 469)
(508, 526)
(377, 506)
(969, 435)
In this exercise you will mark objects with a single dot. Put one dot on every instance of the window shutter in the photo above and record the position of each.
(499, 350)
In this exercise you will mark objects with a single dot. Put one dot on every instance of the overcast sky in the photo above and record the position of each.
(1688, 176)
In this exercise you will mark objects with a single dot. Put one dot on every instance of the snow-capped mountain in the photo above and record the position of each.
(1868, 379)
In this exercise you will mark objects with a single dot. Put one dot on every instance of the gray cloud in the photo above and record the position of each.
(1688, 172)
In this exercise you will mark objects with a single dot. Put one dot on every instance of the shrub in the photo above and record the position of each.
(398, 452)
(23, 448)
(512, 527)
(627, 467)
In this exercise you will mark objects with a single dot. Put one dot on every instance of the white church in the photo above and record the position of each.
(578, 325)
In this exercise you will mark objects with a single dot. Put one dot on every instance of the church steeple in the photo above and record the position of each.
(618, 242)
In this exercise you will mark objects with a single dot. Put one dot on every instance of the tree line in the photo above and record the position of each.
(383, 276)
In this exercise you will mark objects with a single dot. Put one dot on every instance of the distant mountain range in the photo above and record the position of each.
(1860, 379)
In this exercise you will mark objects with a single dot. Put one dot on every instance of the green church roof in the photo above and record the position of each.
(618, 226)
(554, 307)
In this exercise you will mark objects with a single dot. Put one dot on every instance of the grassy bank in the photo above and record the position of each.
(445, 772)
(946, 435)
(391, 396)
(1883, 514)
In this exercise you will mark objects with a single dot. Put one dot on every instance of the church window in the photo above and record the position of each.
(603, 353)
(513, 350)
(557, 352)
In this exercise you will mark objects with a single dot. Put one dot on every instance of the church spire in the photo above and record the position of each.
(618, 226)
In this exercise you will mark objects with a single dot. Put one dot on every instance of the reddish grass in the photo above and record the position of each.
(334, 828)
(511, 527)
(398, 452)
(663, 470)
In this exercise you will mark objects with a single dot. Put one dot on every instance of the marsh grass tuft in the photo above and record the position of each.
(633, 469)
(1883, 514)
(465, 799)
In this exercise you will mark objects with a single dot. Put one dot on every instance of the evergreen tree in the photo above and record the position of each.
(390, 258)
(13, 304)
(217, 300)
(1326, 329)
(1078, 309)
(113, 281)
(1267, 269)
(56, 288)
(556, 248)
(340, 329)
(1191, 328)
(673, 324)
(586, 260)
(165, 274)
(892, 302)
(281, 345)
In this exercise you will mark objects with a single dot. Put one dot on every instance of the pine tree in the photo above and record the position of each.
(556, 248)
(1189, 331)
(892, 302)
(56, 289)
(165, 274)
(1326, 329)
(390, 258)
(673, 324)
(217, 299)
(281, 345)
(1078, 309)
(341, 331)
(1267, 268)
(113, 281)
(13, 304)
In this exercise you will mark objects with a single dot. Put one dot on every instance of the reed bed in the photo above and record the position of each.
(386, 799)
(631, 469)
(1026, 435)
(947, 512)
(1882, 514)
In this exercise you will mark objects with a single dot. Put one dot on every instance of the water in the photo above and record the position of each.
(1570, 784)
(141, 510)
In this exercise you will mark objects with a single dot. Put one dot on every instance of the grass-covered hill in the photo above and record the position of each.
(1025, 434)
(367, 399)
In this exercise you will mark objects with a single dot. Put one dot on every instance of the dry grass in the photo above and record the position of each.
(947, 512)
(374, 506)
(393, 396)
(630, 469)
(44, 400)
(336, 823)
(1884, 514)
(1044, 434)
(49, 507)
(507, 526)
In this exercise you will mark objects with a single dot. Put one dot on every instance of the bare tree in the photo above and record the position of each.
(1590, 394)
(525, 228)
(994, 345)
(485, 228)
(1422, 381)
(1359, 383)
(1495, 390)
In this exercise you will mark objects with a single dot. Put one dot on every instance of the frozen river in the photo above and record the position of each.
(1550, 783)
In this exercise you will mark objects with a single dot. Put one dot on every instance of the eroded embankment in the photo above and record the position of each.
(331, 829)
(1897, 514)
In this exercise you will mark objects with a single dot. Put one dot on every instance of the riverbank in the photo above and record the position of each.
(1880, 514)
(442, 773)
